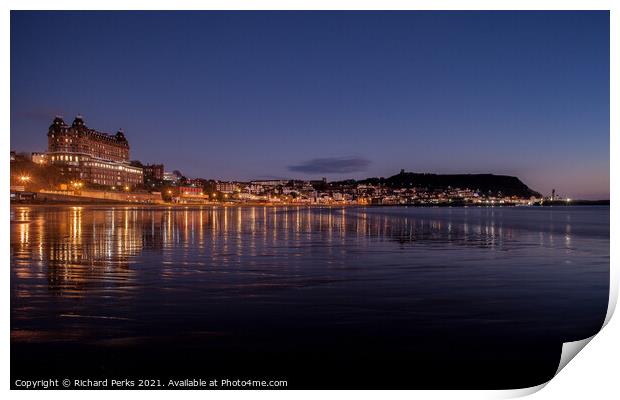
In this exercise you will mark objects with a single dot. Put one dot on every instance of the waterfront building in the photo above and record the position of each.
(226, 187)
(190, 191)
(190, 195)
(153, 172)
(172, 177)
(39, 158)
(91, 156)
(271, 182)
(253, 188)
(244, 196)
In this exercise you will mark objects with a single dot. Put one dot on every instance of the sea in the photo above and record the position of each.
(318, 298)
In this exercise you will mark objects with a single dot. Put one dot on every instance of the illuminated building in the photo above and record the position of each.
(271, 182)
(191, 195)
(190, 191)
(91, 156)
(172, 176)
(153, 172)
(39, 158)
(226, 187)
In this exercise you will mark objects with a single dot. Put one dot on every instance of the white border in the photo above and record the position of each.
(593, 374)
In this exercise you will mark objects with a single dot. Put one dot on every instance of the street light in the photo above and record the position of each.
(127, 188)
(24, 178)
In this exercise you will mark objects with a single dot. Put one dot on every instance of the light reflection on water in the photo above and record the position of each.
(106, 273)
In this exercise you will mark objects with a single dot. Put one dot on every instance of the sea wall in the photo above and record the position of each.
(98, 196)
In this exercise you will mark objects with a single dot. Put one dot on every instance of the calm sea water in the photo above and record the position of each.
(325, 298)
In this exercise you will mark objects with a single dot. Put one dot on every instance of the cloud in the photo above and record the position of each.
(333, 165)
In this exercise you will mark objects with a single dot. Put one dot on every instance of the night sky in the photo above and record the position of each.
(248, 95)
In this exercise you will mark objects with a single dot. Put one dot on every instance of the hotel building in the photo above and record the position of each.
(91, 156)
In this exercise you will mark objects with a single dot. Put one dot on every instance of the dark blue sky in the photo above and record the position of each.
(244, 95)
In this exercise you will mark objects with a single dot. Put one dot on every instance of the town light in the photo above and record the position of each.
(127, 188)
(169, 191)
(24, 178)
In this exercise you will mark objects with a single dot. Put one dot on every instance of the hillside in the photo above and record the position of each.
(39, 176)
(485, 183)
